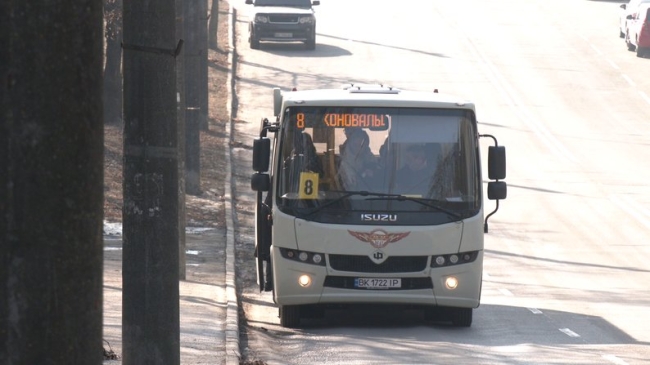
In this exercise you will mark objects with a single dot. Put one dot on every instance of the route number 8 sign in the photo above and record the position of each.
(308, 185)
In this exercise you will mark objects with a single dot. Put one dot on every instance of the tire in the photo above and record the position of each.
(621, 34)
(641, 52)
(462, 317)
(254, 42)
(630, 46)
(310, 44)
(290, 316)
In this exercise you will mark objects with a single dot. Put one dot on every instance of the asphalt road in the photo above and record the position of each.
(566, 265)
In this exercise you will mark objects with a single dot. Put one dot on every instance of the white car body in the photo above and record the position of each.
(628, 9)
(637, 36)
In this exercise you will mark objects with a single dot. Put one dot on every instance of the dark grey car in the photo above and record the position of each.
(283, 21)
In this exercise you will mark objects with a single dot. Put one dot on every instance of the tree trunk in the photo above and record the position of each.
(180, 112)
(213, 27)
(51, 182)
(150, 304)
(113, 68)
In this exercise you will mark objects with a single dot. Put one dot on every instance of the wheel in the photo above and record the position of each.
(641, 52)
(461, 317)
(310, 43)
(630, 46)
(290, 316)
(255, 43)
(621, 34)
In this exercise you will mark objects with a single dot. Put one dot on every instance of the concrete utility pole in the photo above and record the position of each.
(150, 310)
(51, 182)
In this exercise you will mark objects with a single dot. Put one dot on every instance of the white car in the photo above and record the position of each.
(637, 36)
(628, 9)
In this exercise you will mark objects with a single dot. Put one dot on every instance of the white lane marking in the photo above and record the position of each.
(596, 49)
(615, 360)
(191, 252)
(112, 248)
(633, 209)
(506, 292)
(569, 333)
(535, 310)
(629, 80)
(645, 96)
(613, 65)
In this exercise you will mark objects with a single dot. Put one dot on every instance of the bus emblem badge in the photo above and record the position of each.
(378, 238)
(378, 257)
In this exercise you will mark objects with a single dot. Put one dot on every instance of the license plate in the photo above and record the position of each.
(377, 283)
(283, 35)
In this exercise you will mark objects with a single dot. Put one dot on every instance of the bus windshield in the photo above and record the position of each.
(338, 162)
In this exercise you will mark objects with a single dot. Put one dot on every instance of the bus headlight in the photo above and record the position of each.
(451, 283)
(454, 259)
(303, 256)
(304, 281)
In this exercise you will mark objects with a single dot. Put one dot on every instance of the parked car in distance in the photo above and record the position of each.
(637, 35)
(626, 10)
(283, 21)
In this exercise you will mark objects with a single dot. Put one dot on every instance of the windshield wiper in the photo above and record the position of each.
(347, 194)
(426, 202)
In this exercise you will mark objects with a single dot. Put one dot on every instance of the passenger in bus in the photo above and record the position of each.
(416, 176)
(305, 151)
(357, 162)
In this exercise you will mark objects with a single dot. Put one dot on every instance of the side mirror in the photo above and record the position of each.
(496, 162)
(497, 190)
(249, 2)
(261, 154)
(260, 182)
(315, 2)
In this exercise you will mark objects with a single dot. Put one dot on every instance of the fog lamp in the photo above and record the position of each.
(451, 283)
(304, 281)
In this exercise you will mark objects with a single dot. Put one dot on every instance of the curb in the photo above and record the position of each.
(232, 312)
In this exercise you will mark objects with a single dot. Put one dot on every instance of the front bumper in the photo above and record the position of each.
(332, 287)
(282, 32)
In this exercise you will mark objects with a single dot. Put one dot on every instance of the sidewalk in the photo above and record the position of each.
(204, 309)
(209, 327)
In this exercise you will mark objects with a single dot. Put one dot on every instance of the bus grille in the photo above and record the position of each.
(365, 264)
(344, 282)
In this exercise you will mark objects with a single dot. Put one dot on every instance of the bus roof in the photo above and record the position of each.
(372, 96)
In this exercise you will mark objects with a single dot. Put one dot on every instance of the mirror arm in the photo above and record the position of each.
(268, 127)
(496, 144)
(485, 225)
